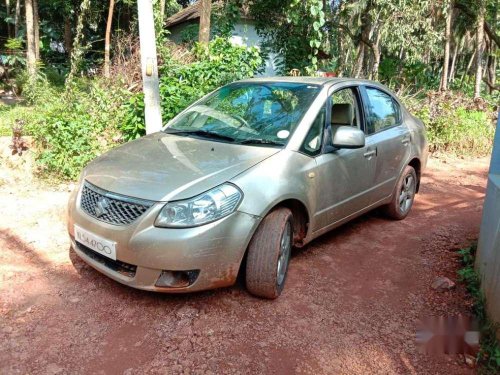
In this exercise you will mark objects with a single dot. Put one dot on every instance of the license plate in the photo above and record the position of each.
(96, 243)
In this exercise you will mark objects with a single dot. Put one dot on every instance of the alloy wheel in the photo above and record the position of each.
(284, 254)
(407, 193)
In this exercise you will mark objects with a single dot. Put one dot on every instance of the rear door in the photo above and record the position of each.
(387, 133)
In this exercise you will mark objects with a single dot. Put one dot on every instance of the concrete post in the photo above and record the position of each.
(488, 251)
(149, 65)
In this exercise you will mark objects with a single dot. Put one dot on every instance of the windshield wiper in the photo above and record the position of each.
(201, 133)
(260, 141)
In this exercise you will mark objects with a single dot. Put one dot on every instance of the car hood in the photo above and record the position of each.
(164, 167)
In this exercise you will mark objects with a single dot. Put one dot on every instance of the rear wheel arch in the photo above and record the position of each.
(417, 165)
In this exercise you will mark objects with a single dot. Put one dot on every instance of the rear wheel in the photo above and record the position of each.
(269, 254)
(404, 195)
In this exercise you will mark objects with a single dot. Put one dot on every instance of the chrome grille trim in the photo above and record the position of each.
(118, 210)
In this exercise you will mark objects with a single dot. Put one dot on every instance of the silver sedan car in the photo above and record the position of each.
(242, 176)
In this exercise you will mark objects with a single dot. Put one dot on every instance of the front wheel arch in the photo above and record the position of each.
(300, 219)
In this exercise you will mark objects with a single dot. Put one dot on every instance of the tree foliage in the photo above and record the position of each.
(181, 84)
(410, 45)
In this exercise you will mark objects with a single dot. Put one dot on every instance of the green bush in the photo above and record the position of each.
(190, 33)
(461, 132)
(180, 85)
(489, 352)
(455, 124)
(74, 126)
(10, 115)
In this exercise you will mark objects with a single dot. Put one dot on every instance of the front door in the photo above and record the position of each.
(345, 176)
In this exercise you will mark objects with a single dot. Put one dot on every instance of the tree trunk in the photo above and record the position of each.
(36, 29)
(17, 18)
(451, 75)
(447, 37)
(77, 52)
(491, 67)
(479, 50)
(107, 40)
(162, 10)
(68, 35)
(468, 67)
(343, 60)
(30, 39)
(205, 10)
(7, 13)
(366, 33)
(358, 67)
(376, 58)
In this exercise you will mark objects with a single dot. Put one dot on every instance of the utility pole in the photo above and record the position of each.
(149, 64)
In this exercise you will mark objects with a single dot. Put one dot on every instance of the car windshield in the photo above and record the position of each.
(248, 113)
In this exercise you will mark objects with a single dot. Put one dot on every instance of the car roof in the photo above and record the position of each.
(326, 82)
(311, 80)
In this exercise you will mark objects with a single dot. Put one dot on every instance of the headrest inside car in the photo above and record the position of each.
(342, 114)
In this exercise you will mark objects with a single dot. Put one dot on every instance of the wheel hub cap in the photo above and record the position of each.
(407, 193)
(284, 254)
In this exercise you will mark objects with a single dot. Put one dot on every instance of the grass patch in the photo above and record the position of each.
(9, 114)
(489, 353)
(455, 123)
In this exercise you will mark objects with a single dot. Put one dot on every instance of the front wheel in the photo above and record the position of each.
(404, 195)
(269, 254)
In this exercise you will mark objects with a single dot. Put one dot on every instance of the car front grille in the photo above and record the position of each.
(122, 268)
(111, 208)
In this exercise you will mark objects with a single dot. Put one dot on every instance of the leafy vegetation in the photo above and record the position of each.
(489, 354)
(455, 124)
(437, 55)
(182, 84)
(72, 126)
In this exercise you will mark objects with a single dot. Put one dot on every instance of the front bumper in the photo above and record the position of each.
(215, 249)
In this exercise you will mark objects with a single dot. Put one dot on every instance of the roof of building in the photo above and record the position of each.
(192, 12)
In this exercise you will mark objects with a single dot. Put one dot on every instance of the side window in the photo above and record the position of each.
(314, 139)
(397, 108)
(383, 112)
(345, 111)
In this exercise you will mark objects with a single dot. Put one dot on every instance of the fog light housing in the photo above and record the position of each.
(177, 279)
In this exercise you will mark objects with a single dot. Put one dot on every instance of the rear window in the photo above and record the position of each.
(383, 111)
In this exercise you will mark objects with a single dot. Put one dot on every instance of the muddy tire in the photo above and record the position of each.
(269, 254)
(404, 195)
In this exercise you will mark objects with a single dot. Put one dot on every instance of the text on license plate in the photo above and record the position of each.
(96, 243)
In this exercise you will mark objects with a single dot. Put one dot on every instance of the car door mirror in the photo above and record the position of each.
(347, 137)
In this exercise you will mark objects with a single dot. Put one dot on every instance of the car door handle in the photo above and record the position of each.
(406, 141)
(370, 153)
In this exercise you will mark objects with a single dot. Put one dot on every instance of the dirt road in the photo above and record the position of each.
(350, 304)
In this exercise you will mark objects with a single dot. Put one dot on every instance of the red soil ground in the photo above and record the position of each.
(350, 306)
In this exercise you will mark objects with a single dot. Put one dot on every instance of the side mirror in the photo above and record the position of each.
(347, 137)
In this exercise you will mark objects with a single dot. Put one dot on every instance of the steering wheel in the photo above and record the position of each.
(244, 124)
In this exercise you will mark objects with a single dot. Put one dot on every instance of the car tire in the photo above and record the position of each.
(404, 195)
(269, 254)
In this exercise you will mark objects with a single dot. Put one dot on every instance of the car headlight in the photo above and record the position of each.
(202, 209)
